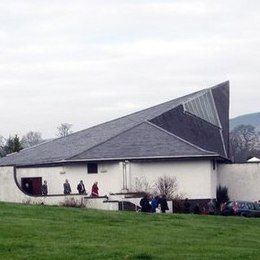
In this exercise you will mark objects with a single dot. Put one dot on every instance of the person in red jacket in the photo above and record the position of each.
(94, 191)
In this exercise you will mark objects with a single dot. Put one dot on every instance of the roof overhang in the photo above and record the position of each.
(103, 160)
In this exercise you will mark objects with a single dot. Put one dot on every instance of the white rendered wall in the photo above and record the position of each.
(242, 180)
(109, 177)
(9, 192)
(196, 179)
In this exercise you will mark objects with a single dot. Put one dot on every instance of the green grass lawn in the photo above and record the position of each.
(40, 232)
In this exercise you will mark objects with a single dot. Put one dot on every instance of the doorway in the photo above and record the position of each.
(32, 185)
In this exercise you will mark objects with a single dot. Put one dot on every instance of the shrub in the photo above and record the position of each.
(142, 185)
(27, 201)
(222, 195)
(167, 186)
(178, 204)
(71, 202)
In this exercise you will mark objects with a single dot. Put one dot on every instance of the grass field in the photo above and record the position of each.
(40, 232)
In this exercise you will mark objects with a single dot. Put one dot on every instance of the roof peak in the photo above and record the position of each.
(76, 143)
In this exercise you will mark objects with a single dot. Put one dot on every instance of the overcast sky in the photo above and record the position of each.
(86, 62)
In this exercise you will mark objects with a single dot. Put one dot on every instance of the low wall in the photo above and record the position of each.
(242, 180)
(10, 192)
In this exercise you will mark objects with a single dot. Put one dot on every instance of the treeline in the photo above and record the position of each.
(14, 144)
(244, 143)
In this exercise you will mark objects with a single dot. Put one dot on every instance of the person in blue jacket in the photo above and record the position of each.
(155, 203)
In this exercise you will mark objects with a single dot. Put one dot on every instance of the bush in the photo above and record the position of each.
(222, 195)
(142, 185)
(178, 204)
(166, 186)
(71, 202)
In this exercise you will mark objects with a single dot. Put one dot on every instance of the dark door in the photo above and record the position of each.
(32, 186)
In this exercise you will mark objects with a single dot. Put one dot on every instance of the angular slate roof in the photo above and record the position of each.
(145, 140)
(183, 127)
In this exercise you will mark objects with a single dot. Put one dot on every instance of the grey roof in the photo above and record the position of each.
(137, 143)
(93, 143)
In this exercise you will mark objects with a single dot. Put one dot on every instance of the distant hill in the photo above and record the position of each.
(249, 119)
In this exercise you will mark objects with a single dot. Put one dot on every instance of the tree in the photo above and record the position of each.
(2, 143)
(243, 140)
(12, 145)
(141, 185)
(31, 139)
(64, 129)
(166, 185)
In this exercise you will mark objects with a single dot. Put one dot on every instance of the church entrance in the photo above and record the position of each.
(32, 186)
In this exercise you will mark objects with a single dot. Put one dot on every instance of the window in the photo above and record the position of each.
(203, 107)
(92, 168)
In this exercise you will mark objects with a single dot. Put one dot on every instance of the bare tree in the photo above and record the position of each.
(166, 185)
(31, 139)
(142, 185)
(64, 129)
(243, 140)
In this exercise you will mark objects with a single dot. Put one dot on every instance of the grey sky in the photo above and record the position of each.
(86, 62)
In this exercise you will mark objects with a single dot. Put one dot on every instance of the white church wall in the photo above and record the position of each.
(213, 179)
(108, 177)
(53, 175)
(196, 179)
(242, 180)
(9, 192)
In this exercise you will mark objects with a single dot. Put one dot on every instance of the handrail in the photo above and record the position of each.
(128, 193)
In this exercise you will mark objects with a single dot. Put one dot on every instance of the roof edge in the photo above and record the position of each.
(63, 162)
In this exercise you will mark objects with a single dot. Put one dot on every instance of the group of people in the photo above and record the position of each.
(67, 189)
(154, 204)
(209, 208)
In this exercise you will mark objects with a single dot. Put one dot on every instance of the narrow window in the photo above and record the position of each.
(92, 168)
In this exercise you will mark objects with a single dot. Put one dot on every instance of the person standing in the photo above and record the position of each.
(28, 187)
(144, 203)
(94, 190)
(44, 188)
(81, 188)
(66, 186)
(164, 204)
(155, 203)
